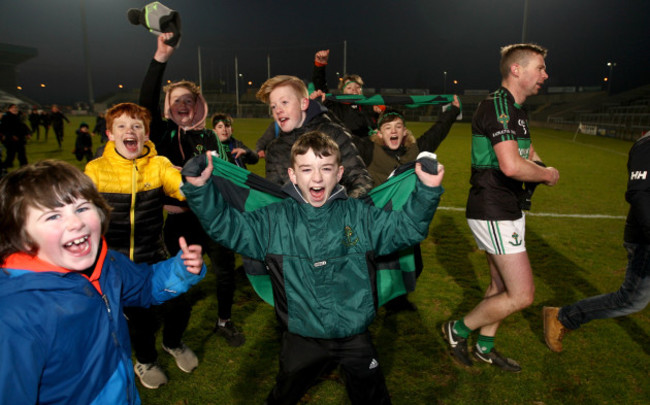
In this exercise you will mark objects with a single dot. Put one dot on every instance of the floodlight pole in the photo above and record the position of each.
(609, 79)
(84, 34)
(237, 87)
(345, 57)
(200, 73)
(444, 82)
(268, 66)
(525, 23)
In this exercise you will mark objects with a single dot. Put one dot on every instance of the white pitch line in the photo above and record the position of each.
(552, 215)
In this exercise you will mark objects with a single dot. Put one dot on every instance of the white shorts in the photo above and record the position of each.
(499, 237)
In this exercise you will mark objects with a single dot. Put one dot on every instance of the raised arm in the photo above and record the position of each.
(267, 137)
(152, 85)
(433, 137)
(319, 74)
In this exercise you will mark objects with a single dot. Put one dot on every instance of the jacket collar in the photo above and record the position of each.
(294, 192)
(25, 262)
(148, 151)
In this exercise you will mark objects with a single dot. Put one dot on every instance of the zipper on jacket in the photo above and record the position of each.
(134, 187)
(108, 307)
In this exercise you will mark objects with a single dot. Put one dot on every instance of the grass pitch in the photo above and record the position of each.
(574, 237)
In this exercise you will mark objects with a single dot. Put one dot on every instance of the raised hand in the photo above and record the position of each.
(192, 256)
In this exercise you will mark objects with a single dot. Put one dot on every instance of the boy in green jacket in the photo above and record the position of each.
(319, 247)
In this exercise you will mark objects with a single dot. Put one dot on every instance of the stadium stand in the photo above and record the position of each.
(625, 115)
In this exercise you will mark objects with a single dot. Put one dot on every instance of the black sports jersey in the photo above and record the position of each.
(493, 195)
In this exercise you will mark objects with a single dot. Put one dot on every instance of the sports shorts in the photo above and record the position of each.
(499, 237)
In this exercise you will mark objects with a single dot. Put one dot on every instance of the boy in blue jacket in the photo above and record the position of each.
(62, 291)
(318, 248)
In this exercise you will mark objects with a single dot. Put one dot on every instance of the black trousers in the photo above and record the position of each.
(15, 149)
(223, 259)
(303, 360)
(145, 322)
(58, 131)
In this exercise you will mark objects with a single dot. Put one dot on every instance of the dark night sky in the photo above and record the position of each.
(392, 44)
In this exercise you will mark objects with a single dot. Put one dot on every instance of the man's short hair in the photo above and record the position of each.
(46, 184)
(518, 53)
(132, 110)
(321, 144)
(294, 82)
(347, 79)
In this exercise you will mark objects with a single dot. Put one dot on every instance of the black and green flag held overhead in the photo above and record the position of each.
(247, 191)
(406, 101)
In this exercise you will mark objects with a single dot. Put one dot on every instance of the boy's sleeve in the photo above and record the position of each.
(433, 137)
(23, 359)
(172, 180)
(250, 157)
(171, 279)
(244, 232)
(266, 138)
(150, 98)
(144, 285)
(395, 230)
(319, 78)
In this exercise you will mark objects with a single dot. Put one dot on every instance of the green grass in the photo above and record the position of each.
(606, 362)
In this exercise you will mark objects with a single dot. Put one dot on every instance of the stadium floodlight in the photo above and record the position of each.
(609, 78)
(444, 82)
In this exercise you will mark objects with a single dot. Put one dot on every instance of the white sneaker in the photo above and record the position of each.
(150, 374)
(185, 358)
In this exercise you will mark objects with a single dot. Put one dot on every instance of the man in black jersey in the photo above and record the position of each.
(503, 159)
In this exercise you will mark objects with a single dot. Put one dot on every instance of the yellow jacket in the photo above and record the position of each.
(136, 190)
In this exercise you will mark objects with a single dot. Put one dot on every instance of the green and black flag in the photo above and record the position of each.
(247, 191)
(378, 99)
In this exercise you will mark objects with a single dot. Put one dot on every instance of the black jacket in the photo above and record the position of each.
(278, 154)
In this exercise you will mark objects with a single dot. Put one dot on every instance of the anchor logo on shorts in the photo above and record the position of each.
(517, 242)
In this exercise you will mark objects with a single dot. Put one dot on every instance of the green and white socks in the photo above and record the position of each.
(484, 344)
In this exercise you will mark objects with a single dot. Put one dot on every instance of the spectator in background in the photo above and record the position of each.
(14, 134)
(83, 145)
(223, 259)
(239, 153)
(56, 118)
(359, 120)
(34, 118)
(100, 128)
(46, 121)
